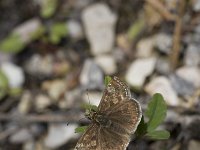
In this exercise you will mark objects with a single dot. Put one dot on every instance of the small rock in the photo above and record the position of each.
(145, 47)
(93, 98)
(163, 66)
(38, 65)
(42, 102)
(91, 75)
(55, 88)
(196, 5)
(164, 43)
(107, 64)
(75, 29)
(59, 134)
(192, 56)
(162, 85)
(21, 136)
(99, 23)
(181, 86)
(139, 70)
(29, 145)
(25, 103)
(190, 74)
(14, 74)
(29, 30)
(193, 145)
(70, 98)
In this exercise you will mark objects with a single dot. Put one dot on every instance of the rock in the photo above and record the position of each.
(42, 102)
(145, 47)
(38, 65)
(93, 98)
(21, 136)
(25, 103)
(163, 66)
(59, 134)
(14, 74)
(29, 30)
(29, 145)
(196, 5)
(107, 64)
(55, 89)
(164, 43)
(139, 70)
(162, 85)
(70, 98)
(99, 23)
(190, 74)
(91, 76)
(193, 145)
(75, 29)
(181, 86)
(192, 56)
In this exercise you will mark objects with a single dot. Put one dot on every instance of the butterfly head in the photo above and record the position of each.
(90, 113)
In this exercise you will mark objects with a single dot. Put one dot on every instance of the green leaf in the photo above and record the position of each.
(159, 134)
(107, 80)
(48, 8)
(12, 44)
(58, 31)
(156, 112)
(142, 128)
(135, 29)
(81, 129)
(3, 85)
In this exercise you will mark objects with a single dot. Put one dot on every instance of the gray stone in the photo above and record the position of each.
(74, 29)
(139, 70)
(91, 76)
(107, 64)
(99, 23)
(162, 85)
(190, 74)
(25, 103)
(181, 86)
(59, 134)
(14, 73)
(196, 5)
(42, 102)
(21, 136)
(192, 56)
(163, 66)
(145, 47)
(164, 43)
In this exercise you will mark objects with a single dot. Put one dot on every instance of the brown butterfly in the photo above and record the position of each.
(115, 120)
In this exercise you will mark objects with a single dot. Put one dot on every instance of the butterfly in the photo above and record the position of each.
(114, 121)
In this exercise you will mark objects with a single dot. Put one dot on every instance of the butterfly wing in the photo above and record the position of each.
(114, 93)
(89, 140)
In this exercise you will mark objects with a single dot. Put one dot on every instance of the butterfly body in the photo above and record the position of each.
(113, 122)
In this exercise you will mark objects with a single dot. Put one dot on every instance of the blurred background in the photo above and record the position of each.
(54, 52)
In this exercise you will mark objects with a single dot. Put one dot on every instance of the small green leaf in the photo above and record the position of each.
(135, 29)
(48, 8)
(81, 129)
(159, 135)
(107, 80)
(12, 44)
(142, 128)
(3, 85)
(156, 112)
(58, 31)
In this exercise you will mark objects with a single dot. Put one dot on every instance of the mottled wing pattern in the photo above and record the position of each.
(90, 139)
(114, 93)
(126, 114)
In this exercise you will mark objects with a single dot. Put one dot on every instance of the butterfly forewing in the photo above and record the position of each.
(122, 114)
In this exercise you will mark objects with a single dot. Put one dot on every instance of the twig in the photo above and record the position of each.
(46, 118)
(157, 5)
(177, 35)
